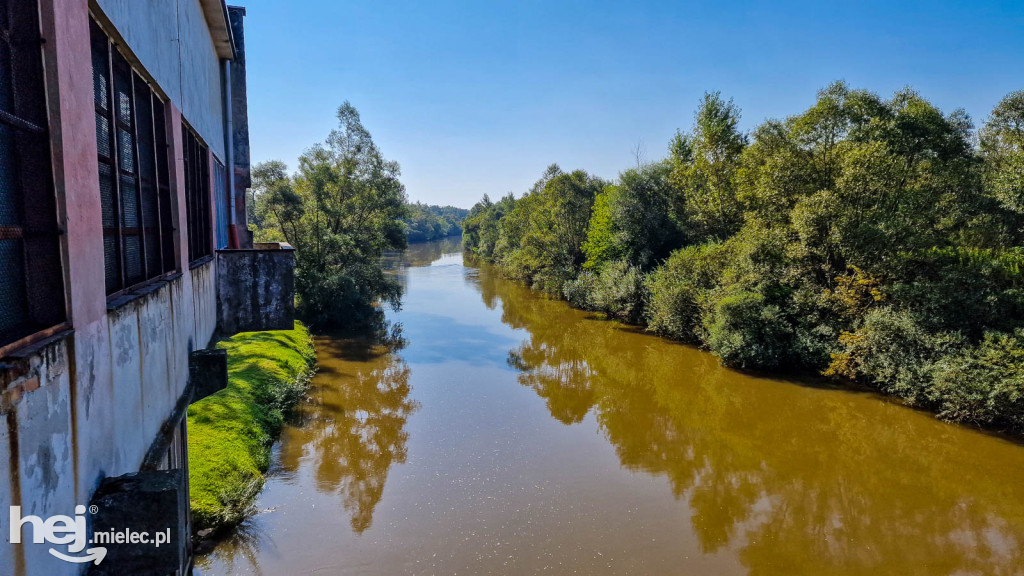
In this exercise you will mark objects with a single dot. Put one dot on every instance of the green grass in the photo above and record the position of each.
(230, 433)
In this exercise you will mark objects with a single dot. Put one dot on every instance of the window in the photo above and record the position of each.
(32, 281)
(197, 196)
(135, 197)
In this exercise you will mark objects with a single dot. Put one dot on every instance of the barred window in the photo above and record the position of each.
(131, 142)
(197, 196)
(32, 282)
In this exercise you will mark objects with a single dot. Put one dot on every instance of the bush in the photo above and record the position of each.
(678, 291)
(579, 291)
(231, 432)
(892, 351)
(985, 383)
(746, 332)
(620, 293)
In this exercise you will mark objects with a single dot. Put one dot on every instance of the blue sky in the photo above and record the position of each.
(478, 97)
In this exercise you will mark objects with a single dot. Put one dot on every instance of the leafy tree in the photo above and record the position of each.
(428, 222)
(705, 165)
(1002, 145)
(340, 211)
(547, 228)
(633, 219)
(867, 238)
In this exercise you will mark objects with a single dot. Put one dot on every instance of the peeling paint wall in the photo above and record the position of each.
(113, 390)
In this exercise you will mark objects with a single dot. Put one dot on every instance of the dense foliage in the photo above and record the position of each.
(872, 239)
(340, 211)
(427, 222)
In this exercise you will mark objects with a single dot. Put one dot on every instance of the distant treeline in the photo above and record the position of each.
(868, 239)
(427, 222)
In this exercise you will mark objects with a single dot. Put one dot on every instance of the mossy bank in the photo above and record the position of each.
(230, 433)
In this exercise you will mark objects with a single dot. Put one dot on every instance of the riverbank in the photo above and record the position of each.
(976, 384)
(231, 432)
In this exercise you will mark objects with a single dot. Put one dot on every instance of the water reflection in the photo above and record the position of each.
(353, 426)
(344, 438)
(422, 253)
(795, 479)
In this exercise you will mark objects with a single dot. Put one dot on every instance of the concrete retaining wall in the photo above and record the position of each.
(256, 289)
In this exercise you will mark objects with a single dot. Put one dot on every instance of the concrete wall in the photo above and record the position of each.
(240, 116)
(152, 29)
(240, 104)
(256, 289)
(87, 405)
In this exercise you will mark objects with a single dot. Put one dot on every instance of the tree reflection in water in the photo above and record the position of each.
(353, 426)
(797, 479)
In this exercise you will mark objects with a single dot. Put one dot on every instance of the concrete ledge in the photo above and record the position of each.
(207, 372)
(152, 502)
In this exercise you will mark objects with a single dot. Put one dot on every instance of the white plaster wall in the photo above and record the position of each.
(95, 402)
(39, 455)
(154, 31)
(7, 550)
(115, 382)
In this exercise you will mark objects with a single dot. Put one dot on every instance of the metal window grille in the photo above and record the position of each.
(197, 196)
(131, 142)
(32, 282)
(220, 195)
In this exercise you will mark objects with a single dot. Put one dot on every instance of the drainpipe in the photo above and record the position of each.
(229, 142)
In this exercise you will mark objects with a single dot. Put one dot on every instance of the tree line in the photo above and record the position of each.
(427, 222)
(867, 239)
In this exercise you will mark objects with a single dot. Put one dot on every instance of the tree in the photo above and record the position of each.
(428, 222)
(1002, 145)
(633, 219)
(340, 211)
(554, 219)
(705, 165)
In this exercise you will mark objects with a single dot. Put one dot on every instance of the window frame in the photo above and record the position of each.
(119, 69)
(199, 212)
(32, 201)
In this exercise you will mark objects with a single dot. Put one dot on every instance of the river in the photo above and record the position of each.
(515, 435)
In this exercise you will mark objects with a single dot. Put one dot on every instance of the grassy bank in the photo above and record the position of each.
(230, 433)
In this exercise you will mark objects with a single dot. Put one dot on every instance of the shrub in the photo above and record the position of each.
(619, 292)
(985, 383)
(579, 291)
(677, 291)
(892, 351)
(746, 332)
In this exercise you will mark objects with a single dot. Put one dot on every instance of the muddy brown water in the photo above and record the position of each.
(514, 435)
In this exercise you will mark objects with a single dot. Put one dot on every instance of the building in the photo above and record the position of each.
(123, 166)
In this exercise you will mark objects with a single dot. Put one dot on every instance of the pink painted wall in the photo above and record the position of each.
(74, 134)
(177, 181)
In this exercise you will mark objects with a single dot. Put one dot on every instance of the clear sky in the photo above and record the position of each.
(480, 96)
